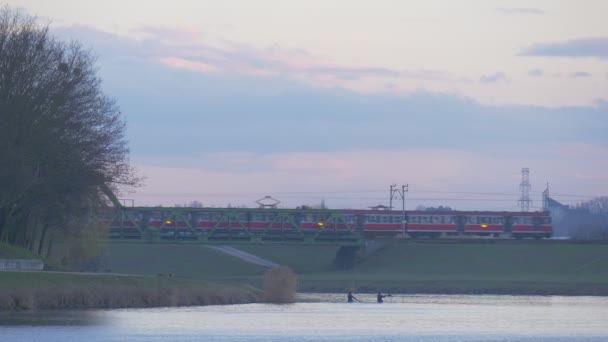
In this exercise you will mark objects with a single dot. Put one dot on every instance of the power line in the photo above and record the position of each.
(292, 194)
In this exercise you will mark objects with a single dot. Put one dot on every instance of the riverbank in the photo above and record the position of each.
(498, 287)
(472, 268)
(469, 267)
(402, 268)
(50, 290)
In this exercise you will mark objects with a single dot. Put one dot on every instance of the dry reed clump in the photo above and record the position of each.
(280, 285)
(122, 297)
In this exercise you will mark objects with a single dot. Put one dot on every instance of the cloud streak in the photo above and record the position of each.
(536, 73)
(577, 48)
(580, 74)
(185, 49)
(494, 78)
(520, 10)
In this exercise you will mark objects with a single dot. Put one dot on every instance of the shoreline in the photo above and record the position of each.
(460, 287)
(79, 297)
(48, 291)
(476, 291)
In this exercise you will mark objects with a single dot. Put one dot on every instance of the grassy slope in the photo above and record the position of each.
(412, 267)
(564, 268)
(57, 279)
(301, 259)
(11, 252)
(56, 290)
(187, 260)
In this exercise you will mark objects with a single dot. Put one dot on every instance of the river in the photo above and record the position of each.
(326, 317)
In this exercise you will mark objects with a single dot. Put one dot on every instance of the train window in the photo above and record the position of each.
(386, 219)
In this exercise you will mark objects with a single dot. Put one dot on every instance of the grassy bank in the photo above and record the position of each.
(50, 290)
(11, 252)
(566, 269)
(517, 268)
(62, 290)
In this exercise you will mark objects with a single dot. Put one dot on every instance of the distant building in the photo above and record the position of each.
(578, 222)
(559, 216)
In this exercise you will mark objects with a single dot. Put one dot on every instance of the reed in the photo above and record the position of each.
(280, 285)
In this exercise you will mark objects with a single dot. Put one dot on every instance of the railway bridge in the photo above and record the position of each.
(238, 226)
(221, 226)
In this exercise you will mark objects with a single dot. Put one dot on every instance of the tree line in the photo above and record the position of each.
(62, 140)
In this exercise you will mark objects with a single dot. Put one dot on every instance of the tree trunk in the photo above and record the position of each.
(42, 238)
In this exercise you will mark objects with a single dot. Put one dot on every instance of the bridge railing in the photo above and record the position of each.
(231, 225)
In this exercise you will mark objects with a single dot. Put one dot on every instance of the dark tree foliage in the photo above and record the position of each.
(61, 139)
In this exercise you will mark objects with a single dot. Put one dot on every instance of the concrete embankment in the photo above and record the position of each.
(21, 265)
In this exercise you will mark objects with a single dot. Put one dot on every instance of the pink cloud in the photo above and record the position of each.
(170, 34)
(180, 63)
(301, 178)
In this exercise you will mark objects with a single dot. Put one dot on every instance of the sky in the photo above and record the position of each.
(227, 102)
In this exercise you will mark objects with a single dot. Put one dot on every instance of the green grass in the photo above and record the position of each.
(12, 252)
(553, 262)
(186, 261)
(566, 268)
(474, 268)
(301, 259)
(57, 279)
(529, 262)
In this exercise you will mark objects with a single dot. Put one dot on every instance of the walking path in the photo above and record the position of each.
(248, 257)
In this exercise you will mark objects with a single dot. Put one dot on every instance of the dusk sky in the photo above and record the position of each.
(229, 101)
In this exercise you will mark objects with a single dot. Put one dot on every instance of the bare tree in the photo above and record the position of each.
(61, 138)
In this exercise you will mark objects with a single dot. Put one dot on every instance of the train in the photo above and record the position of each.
(190, 223)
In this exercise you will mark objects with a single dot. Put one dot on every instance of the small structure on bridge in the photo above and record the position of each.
(268, 202)
(380, 207)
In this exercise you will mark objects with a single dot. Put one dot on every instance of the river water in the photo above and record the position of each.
(326, 317)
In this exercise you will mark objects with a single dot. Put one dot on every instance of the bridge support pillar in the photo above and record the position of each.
(346, 256)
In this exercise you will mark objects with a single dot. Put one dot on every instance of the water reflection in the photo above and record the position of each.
(328, 317)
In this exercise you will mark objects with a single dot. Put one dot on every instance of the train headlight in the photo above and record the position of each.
(168, 222)
(484, 226)
(320, 224)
